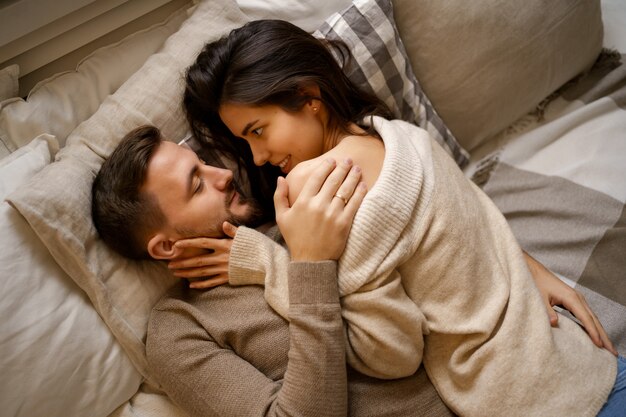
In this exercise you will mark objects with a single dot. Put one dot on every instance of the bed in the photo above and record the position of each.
(530, 102)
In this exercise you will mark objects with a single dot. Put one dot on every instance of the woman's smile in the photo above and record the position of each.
(283, 164)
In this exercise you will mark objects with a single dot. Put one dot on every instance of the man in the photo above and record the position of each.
(224, 351)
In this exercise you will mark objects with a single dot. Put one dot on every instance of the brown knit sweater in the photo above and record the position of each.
(225, 352)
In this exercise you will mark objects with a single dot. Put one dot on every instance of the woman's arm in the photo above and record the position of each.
(556, 293)
(385, 329)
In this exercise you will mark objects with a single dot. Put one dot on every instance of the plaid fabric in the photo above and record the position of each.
(380, 65)
(560, 180)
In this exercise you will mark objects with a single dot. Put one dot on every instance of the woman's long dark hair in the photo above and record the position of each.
(268, 62)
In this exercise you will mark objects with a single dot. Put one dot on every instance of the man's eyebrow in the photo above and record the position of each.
(192, 174)
(244, 132)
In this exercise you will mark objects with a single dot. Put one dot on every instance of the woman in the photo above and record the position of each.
(441, 277)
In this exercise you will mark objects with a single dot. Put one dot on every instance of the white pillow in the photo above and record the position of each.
(60, 103)
(307, 14)
(9, 81)
(58, 357)
(57, 201)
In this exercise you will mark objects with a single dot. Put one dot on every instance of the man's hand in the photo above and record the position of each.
(555, 292)
(211, 262)
(317, 225)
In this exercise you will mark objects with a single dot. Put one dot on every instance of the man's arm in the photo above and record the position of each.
(208, 379)
(203, 369)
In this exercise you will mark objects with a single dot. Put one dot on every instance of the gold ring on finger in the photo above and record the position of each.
(345, 200)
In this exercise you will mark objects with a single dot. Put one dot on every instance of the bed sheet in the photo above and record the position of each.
(559, 176)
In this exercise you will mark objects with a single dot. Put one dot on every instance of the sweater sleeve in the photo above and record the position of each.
(385, 329)
(257, 259)
(207, 379)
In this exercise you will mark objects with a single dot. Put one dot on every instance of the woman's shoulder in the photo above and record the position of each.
(366, 152)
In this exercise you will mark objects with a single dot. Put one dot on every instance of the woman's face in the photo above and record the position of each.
(276, 136)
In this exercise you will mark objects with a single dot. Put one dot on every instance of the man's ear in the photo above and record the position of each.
(161, 246)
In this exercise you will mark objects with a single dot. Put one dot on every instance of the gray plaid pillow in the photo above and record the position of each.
(380, 65)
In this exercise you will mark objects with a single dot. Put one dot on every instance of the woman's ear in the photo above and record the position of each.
(162, 247)
(311, 90)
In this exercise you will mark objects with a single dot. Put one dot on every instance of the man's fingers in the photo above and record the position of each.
(355, 201)
(337, 179)
(347, 188)
(281, 196)
(318, 178)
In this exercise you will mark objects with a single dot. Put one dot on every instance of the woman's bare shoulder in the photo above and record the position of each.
(366, 152)
(299, 174)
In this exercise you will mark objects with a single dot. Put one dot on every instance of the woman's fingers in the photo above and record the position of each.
(203, 243)
(203, 271)
(199, 261)
(602, 337)
(229, 229)
(576, 303)
(208, 283)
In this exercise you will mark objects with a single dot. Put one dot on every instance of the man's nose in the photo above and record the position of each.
(219, 177)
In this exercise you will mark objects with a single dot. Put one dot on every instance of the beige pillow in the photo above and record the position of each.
(58, 104)
(56, 203)
(485, 63)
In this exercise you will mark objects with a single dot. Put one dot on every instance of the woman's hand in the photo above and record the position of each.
(210, 260)
(556, 293)
(317, 225)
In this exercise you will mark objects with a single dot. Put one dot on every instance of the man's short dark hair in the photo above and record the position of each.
(123, 215)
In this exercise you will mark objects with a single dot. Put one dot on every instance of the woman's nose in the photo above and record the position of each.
(259, 153)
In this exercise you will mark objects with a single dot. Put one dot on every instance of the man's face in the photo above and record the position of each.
(195, 198)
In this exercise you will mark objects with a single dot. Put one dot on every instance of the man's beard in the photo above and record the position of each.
(253, 215)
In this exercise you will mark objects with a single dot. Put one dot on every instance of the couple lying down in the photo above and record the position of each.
(431, 272)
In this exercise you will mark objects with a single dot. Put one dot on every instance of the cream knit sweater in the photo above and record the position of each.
(432, 272)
